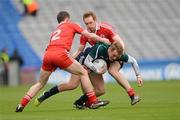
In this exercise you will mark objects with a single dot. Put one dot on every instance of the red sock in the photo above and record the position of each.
(25, 100)
(91, 98)
(131, 92)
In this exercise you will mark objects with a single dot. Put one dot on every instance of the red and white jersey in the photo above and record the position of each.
(63, 35)
(103, 30)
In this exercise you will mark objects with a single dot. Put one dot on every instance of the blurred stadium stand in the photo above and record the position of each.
(149, 28)
(11, 36)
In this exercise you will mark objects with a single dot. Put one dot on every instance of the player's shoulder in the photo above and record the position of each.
(76, 26)
(72, 23)
(102, 45)
(124, 57)
(105, 25)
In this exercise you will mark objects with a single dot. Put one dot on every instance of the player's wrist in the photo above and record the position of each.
(138, 76)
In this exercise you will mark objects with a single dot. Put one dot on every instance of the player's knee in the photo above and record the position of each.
(43, 79)
(73, 86)
(83, 72)
(42, 83)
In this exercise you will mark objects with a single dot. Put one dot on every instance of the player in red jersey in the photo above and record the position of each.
(103, 30)
(56, 55)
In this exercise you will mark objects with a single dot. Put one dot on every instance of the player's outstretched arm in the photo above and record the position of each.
(117, 38)
(135, 66)
(95, 37)
(80, 49)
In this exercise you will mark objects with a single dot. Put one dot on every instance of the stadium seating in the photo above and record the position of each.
(149, 28)
(11, 37)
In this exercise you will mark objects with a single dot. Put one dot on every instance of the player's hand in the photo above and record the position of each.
(140, 81)
(107, 41)
(102, 70)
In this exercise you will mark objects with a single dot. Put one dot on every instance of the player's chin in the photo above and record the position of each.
(111, 59)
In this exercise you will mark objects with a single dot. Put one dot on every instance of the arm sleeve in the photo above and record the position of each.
(89, 63)
(111, 32)
(93, 54)
(134, 64)
(78, 28)
(83, 40)
(109, 29)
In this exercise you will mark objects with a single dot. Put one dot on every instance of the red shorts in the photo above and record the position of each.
(56, 58)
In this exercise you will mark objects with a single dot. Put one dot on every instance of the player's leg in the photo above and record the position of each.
(85, 81)
(44, 76)
(45, 72)
(76, 68)
(99, 87)
(98, 84)
(70, 85)
(63, 61)
(114, 71)
(73, 83)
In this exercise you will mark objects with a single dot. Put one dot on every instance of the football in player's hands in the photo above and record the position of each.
(101, 65)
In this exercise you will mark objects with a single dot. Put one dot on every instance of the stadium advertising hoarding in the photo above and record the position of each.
(155, 71)
(150, 70)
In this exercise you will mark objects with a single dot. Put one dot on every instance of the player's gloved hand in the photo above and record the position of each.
(139, 80)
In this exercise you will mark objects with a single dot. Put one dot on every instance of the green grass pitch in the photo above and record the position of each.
(160, 101)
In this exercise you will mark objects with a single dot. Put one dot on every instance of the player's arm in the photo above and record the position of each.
(95, 37)
(117, 38)
(89, 35)
(80, 49)
(88, 62)
(111, 31)
(135, 66)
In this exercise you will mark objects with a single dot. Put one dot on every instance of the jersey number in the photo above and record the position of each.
(56, 35)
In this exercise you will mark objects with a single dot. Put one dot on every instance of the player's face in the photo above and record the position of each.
(113, 55)
(90, 23)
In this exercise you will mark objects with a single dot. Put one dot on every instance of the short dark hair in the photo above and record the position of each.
(62, 15)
